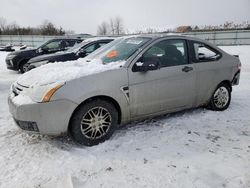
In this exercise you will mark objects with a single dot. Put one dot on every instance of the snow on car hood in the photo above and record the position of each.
(65, 71)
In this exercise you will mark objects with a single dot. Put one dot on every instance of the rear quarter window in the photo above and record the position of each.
(203, 53)
(71, 43)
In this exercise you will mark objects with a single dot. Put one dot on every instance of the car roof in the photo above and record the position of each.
(95, 39)
(165, 35)
(92, 39)
(157, 36)
(66, 38)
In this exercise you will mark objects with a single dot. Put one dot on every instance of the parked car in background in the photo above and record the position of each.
(22, 47)
(7, 48)
(78, 51)
(17, 60)
(134, 78)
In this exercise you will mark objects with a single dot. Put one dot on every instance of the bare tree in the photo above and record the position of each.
(118, 25)
(115, 27)
(69, 32)
(150, 30)
(12, 28)
(48, 28)
(3, 23)
(112, 26)
(103, 29)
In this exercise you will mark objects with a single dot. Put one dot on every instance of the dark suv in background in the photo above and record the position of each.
(17, 60)
(80, 50)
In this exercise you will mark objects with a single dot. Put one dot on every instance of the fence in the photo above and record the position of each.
(222, 38)
(236, 37)
(32, 40)
(29, 40)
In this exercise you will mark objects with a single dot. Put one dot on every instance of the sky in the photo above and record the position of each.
(83, 16)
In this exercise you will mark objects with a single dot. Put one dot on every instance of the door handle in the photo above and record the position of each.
(187, 69)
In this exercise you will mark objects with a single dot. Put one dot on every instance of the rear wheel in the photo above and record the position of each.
(221, 98)
(94, 122)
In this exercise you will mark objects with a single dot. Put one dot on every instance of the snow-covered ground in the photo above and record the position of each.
(196, 148)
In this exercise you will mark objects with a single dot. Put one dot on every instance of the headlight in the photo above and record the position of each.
(49, 94)
(43, 93)
(40, 63)
(11, 62)
(11, 56)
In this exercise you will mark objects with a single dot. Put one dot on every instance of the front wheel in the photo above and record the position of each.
(94, 122)
(221, 98)
(23, 66)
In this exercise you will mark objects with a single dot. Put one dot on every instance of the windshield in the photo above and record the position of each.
(41, 45)
(119, 50)
(77, 47)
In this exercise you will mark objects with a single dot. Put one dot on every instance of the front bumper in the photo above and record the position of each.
(11, 65)
(50, 118)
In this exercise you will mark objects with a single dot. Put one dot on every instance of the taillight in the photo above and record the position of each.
(239, 66)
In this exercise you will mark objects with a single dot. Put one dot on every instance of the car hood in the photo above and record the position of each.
(65, 71)
(21, 52)
(47, 57)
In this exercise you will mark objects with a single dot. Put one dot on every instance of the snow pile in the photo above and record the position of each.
(5, 74)
(22, 99)
(2, 61)
(195, 148)
(65, 71)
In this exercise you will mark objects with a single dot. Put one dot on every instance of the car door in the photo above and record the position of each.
(169, 88)
(206, 62)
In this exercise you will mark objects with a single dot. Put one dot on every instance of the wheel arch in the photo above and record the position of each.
(101, 97)
(227, 82)
(213, 89)
(211, 105)
(22, 61)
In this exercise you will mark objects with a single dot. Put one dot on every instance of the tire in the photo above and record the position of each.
(22, 66)
(94, 122)
(221, 98)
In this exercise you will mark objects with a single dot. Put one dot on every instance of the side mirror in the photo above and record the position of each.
(201, 56)
(147, 65)
(82, 54)
(43, 50)
(39, 50)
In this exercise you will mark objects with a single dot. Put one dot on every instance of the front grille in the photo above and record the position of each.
(27, 125)
(17, 89)
(8, 62)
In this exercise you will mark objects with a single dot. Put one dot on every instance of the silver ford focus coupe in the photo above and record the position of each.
(131, 78)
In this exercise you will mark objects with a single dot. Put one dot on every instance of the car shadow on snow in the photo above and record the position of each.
(65, 142)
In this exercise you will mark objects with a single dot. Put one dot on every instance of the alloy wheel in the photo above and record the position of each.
(25, 68)
(96, 123)
(221, 97)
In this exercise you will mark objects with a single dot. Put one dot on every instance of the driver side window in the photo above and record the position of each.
(90, 49)
(172, 52)
(54, 45)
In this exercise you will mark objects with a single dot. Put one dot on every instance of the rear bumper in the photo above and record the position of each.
(50, 118)
(236, 79)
